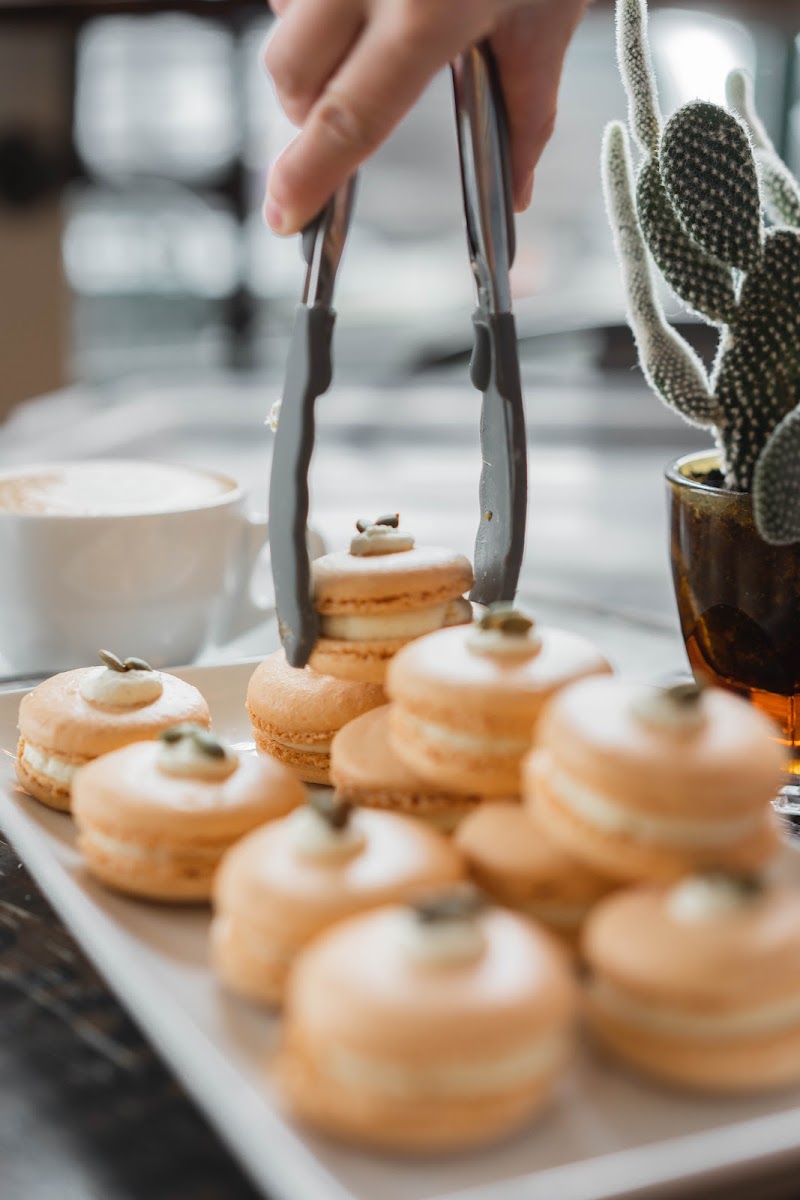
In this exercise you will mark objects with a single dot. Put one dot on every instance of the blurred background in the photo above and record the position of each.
(133, 144)
(143, 296)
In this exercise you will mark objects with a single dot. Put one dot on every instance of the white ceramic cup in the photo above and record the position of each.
(160, 585)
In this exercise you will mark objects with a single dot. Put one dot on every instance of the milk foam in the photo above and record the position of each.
(110, 488)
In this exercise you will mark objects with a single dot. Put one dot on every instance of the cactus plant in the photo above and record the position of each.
(695, 208)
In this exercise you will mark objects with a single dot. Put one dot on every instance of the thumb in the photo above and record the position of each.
(529, 46)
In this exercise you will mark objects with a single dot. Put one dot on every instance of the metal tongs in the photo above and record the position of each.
(494, 368)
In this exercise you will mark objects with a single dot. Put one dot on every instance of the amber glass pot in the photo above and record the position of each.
(738, 597)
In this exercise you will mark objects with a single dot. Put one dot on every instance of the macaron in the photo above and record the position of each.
(467, 700)
(154, 818)
(698, 983)
(285, 883)
(366, 771)
(379, 595)
(295, 713)
(426, 1029)
(647, 784)
(516, 863)
(73, 717)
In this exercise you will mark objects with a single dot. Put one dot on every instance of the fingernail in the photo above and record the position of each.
(274, 215)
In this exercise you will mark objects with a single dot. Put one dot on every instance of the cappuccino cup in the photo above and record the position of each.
(147, 559)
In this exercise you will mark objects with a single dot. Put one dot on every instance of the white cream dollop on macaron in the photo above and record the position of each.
(313, 836)
(706, 898)
(504, 646)
(661, 710)
(184, 758)
(381, 539)
(107, 688)
(439, 943)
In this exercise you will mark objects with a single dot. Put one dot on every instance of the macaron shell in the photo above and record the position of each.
(365, 770)
(354, 987)
(290, 897)
(511, 857)
(462, 770)
(393, 1124)
(241, 963)
(364, 661)
(286, 702)
(383, 1009)
(727, 1066)
(56, 718)
(744, 957)
(125, 795)
(634, 860)
(732, 764)
(387, 583)
(41, 787)
(439, 678)
(182, 875)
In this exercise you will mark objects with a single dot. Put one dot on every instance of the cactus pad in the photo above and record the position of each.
(710, 175)
(633, 55)
(671, 366)
(780, 190)
(700, 281)
(776, 484)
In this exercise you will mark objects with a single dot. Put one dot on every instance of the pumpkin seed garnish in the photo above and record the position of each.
(458, 903)
(207, 743)
(747, 884)
(332, 810)
(122, 666)
(506, 619)
(137, 664)
(392, 520)
(684, 695)
(111, 661)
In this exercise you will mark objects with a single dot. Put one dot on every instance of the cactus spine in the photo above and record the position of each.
(696, 208)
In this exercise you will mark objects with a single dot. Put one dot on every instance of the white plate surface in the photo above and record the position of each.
(607, 1135)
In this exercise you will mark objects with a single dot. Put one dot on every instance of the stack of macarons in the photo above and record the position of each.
(157, 798)
(371, 600)
(465, 702)
(78, 715)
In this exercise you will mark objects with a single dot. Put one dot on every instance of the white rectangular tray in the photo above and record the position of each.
(607, 1135)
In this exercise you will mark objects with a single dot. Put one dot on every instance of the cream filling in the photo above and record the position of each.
(762, 1020)
(381, 539)
(304, 747)
(312, 836)
(185, 759)
(439, 943)
(117, 846)
(455, 739)
(526, 1065)
(656, 708)
(706, 897)
(351, 627)
(504, 647)
(599, 810)
(49, 765)
(121, 689)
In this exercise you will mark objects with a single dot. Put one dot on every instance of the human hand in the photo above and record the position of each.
(347, 71)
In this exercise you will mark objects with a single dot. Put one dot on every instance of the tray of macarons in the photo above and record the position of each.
(453, 911)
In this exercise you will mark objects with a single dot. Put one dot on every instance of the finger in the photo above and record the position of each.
(377, 84)
(279, 7)
(529, 47)
(307, 47)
